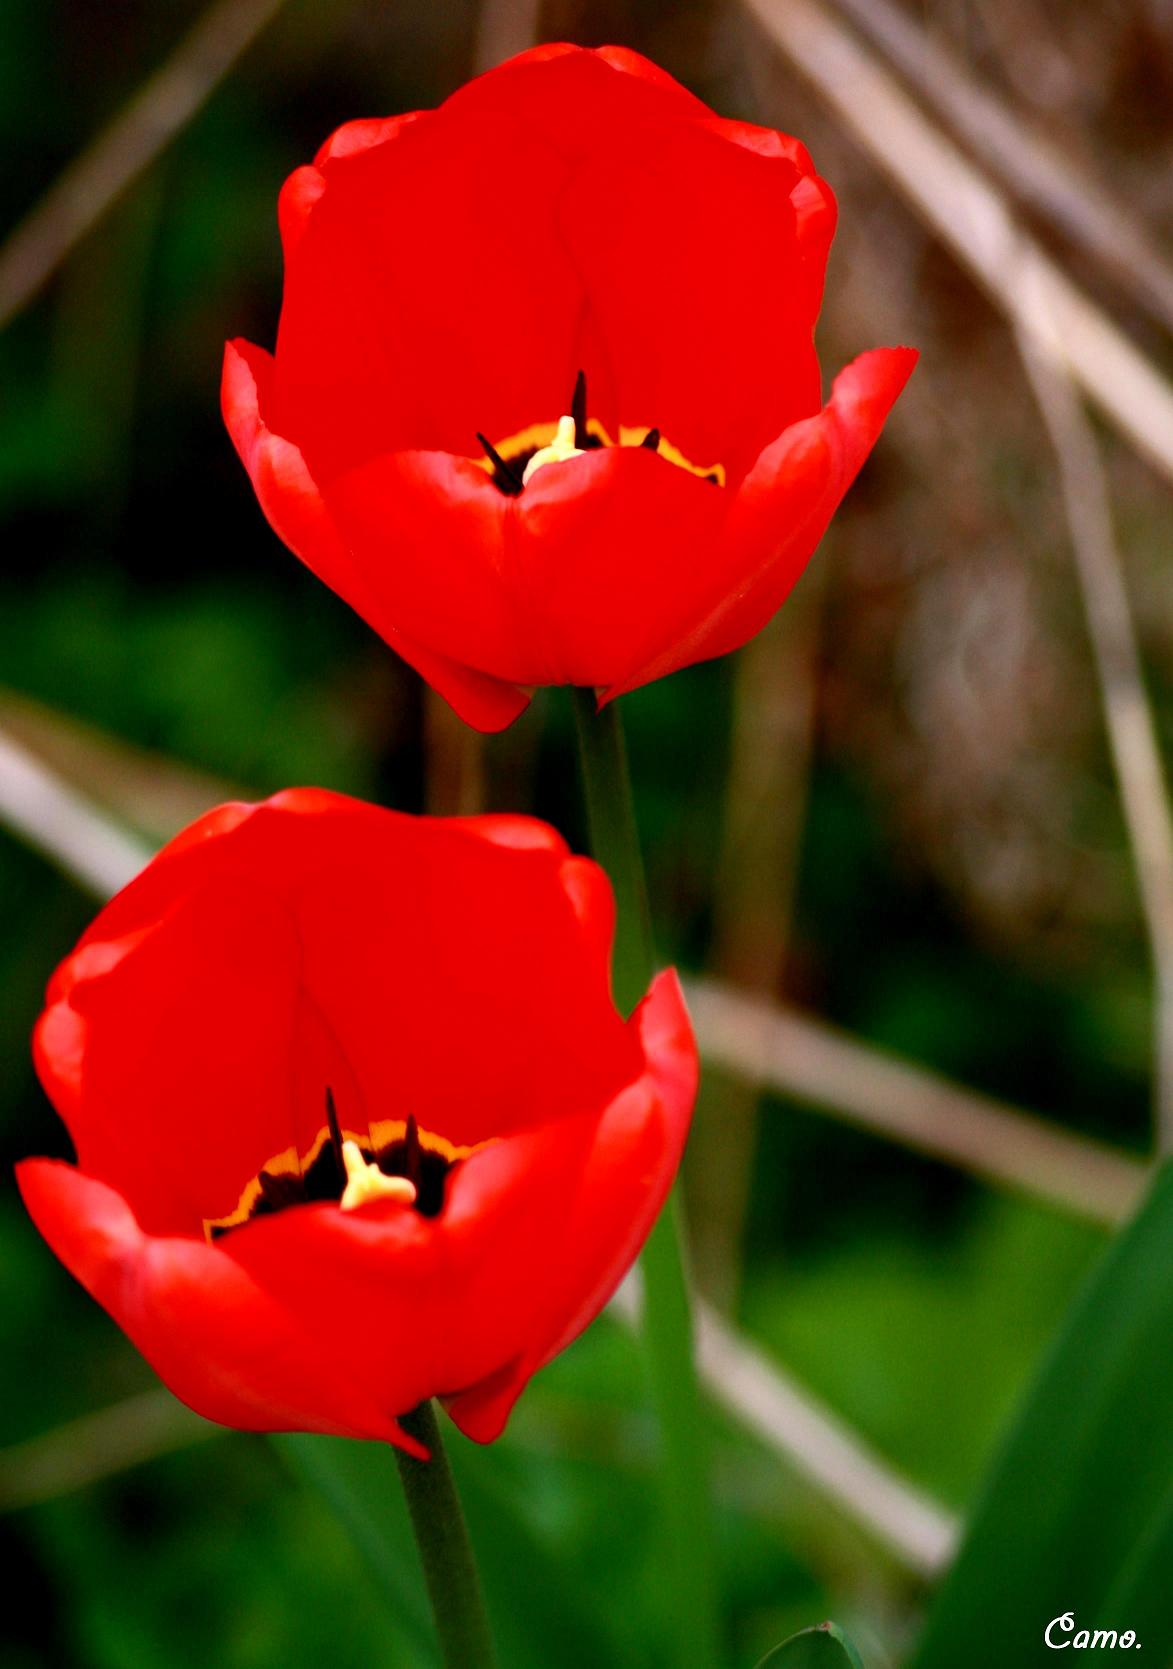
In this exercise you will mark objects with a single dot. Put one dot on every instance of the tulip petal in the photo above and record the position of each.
(428, 299)
(593, 901)
(634, 63)
(484, 1030)
(777, 519)
(154, 1109)
(811, 198)
(395, 341)
(665, 1033)
(224, 1346)
(305, 186)
(412, 1307)
(520, 834)
(293, 507)
(676, 350)
(567, 584)
(295, 203)
(353, 138)
(638, 1146)
(620, 58)
(479, 1033)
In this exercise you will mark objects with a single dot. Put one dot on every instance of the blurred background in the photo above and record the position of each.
(896, 820)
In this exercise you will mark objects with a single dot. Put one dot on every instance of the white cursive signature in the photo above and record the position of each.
(1087, 1639)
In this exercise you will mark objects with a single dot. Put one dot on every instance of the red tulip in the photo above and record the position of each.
(449, 275)
(357, 1122)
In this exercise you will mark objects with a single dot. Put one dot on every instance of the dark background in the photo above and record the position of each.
(935, 858)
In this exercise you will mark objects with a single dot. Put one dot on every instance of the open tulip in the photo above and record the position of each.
(357, 1121)
(545, 406)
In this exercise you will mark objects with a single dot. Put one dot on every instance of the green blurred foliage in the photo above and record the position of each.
(824, 1646)
(141, 592)
(1067, 1510)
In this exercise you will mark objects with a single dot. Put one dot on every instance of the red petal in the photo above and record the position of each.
(692, 305)
(537, 1231)
(811, 198)
(293, 506)
(413, 1306)
(352, 138)
(620, 58)
(167, 1053)
(634, 63)
(607, 90)
(429, 297)
(520, 834)
(295, 203)
(488, 1017)
(192, 1036)
(305, 186)
(622, 1189)
(593, 902)
(457, 279)
(565, 585)
(221, 1344)
(777, 519)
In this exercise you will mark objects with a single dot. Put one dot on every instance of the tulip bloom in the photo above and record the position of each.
(545, 406)
(357, 1122)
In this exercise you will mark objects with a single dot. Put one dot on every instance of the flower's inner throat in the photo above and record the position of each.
(512, 463)
(393, 1159)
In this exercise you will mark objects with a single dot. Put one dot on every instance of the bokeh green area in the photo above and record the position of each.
(142, 594)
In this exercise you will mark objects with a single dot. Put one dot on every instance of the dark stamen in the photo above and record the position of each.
(335, 1133)
(651, 440)
(579, 413)
(510, 480)
(411, 1151)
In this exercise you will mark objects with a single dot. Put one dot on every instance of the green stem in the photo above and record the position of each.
(667, 1314)
(450, 1571)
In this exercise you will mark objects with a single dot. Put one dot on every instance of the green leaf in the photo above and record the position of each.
(1077, 1514)
(369, 1503)
(824, 1647)
(540, 1615)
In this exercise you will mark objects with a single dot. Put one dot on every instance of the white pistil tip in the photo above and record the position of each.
(365, 1182)
(559, 449)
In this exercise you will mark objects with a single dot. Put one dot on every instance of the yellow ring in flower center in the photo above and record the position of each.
(517, 450)
(319, 1176)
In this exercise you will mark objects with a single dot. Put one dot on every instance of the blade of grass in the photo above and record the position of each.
(1076, 1513)
(666, 1325)
(823, 1647)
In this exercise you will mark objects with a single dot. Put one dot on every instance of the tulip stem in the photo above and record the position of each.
(667, 1312)
(454, 1586)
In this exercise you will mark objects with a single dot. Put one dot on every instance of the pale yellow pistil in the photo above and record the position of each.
(365, 1181)
(559, 449)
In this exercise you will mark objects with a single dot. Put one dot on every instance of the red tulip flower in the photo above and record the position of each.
(545, 406)
(357, 1122)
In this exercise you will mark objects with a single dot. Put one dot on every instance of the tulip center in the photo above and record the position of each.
(512, 463)
(392, 1160)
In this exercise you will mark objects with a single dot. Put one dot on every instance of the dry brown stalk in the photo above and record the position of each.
(765, 808)
(1034, 171)
(1128, 716)
(813, 1442)
(969, 214)
(812, 1062)
(123, 150)
(97, 1446)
